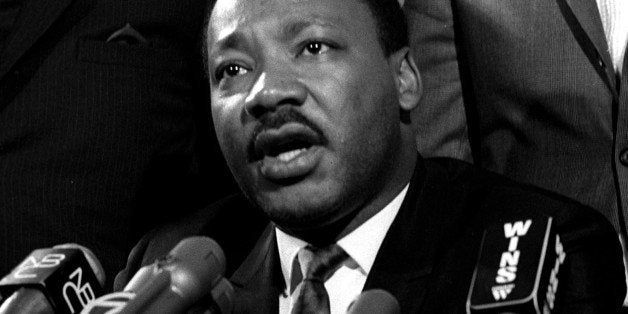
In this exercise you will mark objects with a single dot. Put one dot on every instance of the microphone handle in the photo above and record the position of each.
(26, 301)
(153, 287)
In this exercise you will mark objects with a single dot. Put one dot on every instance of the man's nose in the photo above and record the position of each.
(274, 88)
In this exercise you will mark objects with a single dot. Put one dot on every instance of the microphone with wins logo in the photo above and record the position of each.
(518, 268)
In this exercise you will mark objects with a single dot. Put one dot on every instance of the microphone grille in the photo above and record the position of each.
(374, 301)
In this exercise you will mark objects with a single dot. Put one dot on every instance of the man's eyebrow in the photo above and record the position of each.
(289, 30)
(232, 41)
(292, 28)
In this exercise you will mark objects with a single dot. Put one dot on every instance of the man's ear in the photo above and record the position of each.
(407, 79)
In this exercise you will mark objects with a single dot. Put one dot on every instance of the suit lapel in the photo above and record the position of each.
(36, 17)
(258, 281)
(401, 267)
(584, 20)
(406, 256)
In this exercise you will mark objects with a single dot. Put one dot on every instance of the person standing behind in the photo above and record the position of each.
(103, 119)
(541, 87)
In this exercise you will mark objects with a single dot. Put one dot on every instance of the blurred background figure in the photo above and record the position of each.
(104, 124)
(536, 90)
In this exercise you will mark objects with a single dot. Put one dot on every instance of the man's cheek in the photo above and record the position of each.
(234, 145)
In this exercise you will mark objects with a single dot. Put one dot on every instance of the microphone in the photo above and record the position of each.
(61, 279)
(518, 268)
(376, 301)
(190, 276)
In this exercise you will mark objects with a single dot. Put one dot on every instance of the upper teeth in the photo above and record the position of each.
(287, 156)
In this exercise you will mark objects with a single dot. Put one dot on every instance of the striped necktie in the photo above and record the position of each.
(318, 265)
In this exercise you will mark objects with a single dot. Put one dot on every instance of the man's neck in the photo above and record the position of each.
(324, 235)
(362, 244)
(403, 171)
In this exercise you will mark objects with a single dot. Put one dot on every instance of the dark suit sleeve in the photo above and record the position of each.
(592, 278)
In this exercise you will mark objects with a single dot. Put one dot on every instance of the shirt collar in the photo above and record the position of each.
(288, 247)
(362, 244)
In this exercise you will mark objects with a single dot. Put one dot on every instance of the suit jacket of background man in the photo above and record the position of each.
(543, 104)
(428, 256)
(100, 140)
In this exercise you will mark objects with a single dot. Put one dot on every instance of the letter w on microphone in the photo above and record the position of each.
(517, 268)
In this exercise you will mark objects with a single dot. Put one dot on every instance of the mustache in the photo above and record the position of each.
(275, 120)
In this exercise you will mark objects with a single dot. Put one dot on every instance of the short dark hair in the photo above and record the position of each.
(392, 28)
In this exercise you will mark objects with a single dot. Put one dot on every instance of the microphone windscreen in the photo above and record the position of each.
(176, 282)
(376, 301)
(190, 276)
(196, 265)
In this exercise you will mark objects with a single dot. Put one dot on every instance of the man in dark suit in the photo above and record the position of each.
(311, 102)
(103, 118)
(539, 85)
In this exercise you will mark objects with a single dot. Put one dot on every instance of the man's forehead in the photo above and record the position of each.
(225, 10)
(265, 6)
(289, 15)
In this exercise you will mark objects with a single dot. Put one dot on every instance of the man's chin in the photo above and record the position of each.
(294, 212)
(316, 225)
(309, 203)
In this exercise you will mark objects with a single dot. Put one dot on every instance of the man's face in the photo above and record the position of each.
(305, 105)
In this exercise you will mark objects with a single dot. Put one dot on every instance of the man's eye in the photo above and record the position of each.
(230, 70)
(315, 48)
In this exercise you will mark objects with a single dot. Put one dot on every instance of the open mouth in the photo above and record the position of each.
(285, 143)
(284, 148)
(287, 154)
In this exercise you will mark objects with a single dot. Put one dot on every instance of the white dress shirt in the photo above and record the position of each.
(614, 14)
(361, 245)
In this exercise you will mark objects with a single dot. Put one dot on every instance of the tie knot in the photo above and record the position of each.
(318, 264)
(321, 263)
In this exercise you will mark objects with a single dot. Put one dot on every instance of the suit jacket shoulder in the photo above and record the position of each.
(458, 201)
(499, 197)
